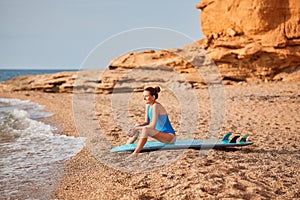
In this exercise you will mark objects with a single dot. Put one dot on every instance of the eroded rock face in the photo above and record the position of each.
(189, 65)
(257, 39)
(62, 82)
(133, 70)
(276, 20)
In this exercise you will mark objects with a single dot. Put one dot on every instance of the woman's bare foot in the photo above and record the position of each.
(131, 156)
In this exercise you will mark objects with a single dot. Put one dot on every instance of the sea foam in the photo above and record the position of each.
(31, 151)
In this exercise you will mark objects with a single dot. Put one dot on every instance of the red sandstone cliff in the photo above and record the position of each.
(253, 38)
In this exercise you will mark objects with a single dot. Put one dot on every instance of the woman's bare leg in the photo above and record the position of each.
(160, 136)
(131, 140)
(167, 138)
(141, 144)
(143, 137)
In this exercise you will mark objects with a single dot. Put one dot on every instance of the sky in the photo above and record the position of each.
(74, 34)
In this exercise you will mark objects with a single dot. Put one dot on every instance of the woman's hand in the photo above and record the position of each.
(132, 132)
(135, 130)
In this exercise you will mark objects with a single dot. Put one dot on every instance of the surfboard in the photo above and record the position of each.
(186, 144)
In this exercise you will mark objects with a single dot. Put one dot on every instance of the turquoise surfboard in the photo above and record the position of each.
(186, 144)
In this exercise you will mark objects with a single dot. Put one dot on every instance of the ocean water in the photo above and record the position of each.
(32, 152)
(6, 74)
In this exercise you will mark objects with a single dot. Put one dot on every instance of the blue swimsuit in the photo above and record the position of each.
(163, 123)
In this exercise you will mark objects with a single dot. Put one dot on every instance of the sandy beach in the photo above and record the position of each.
(87, 64)
(268, 169)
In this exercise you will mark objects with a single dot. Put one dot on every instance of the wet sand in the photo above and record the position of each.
(268, 169)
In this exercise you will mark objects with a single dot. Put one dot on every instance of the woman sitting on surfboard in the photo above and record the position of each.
(157, 124)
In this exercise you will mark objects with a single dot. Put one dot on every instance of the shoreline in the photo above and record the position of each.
(267, 169)
(56, 169)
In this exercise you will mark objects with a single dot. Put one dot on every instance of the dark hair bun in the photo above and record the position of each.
(157, 89)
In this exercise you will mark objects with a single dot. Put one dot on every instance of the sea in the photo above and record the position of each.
(6, 74)
(32, 150)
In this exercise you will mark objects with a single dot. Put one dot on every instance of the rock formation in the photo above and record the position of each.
(62, 82)
(257, 39)
(126, 73)
(248, 40)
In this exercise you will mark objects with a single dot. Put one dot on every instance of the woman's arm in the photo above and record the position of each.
(155, 113)
(141, 124)
(146, 122)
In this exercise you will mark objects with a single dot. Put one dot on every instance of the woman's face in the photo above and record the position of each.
(148, 98)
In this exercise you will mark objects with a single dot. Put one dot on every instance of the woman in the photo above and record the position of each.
(156, 125)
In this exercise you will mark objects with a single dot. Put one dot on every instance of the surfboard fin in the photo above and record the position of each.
(233, 140)
(226, 137)
(244, 138)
